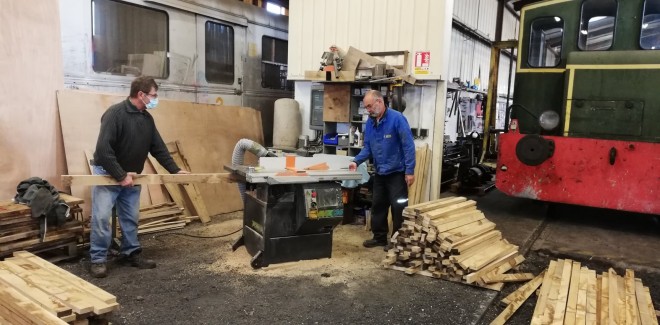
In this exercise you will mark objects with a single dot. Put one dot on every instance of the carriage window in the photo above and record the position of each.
(546, 42)
(274, 54)
(219, 53)
(128, 39)
(597, 25)
(650, 35)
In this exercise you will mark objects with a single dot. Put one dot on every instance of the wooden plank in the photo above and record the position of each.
(142, 179)
(439, 204)
(55, 286)
(445, 211)
(512, 277)
(424, 174)
(605, 299)
(581, 304)
(412, 207)
(573, 291)
(644, 304)
(455, 224)
(478, 241)
(542, 301)
(592, 298)
(521, 296)
(51, 236)
(512, 296)
(71, 278)
(474, 276)
(548, 312)
(13, 300)
(562, 297)
(54, 306)
(412, 191)
(506, 266)
(613, 285)
(630, 301)
(459, 234)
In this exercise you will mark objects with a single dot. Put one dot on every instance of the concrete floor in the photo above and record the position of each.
(200, 281)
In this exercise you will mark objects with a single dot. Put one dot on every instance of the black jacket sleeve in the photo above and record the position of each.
(105, 154)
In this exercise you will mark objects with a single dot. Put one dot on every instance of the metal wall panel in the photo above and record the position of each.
(487, 18)
(509, 26)
(375, 25)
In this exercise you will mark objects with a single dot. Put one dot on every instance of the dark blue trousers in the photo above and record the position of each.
(388, 191)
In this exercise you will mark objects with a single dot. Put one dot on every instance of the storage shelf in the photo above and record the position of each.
(359, 122)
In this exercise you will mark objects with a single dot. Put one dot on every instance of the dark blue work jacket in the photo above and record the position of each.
(390, 143)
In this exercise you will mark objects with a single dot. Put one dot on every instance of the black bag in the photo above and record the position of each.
(44, 201)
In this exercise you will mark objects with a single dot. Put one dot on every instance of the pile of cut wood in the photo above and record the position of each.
(452, 240)
(571, 294)
(162, 217)
(34, 291)
(20, 231)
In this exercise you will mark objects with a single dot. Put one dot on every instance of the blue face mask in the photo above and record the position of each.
(152, 103)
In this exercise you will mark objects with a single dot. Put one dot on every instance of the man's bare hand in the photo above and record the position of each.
(127, 181)
(410, 179)
(183, 172)
(352, 166)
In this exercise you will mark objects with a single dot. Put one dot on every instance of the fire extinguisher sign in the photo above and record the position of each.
(422, 62)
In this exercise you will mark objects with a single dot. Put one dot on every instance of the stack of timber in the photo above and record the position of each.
(162, 217)
(574, 294)
(20, 231)
(452, 240)
(34, 291)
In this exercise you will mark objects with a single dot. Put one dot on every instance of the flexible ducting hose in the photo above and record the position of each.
(238, 156)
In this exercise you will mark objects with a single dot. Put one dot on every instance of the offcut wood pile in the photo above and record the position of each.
(452, 240)
(574, 294)
(20, 231)
(34, 291)
(162, 217)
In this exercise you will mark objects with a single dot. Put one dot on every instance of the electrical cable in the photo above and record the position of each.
(197, 236)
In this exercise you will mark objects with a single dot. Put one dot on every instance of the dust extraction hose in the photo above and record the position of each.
(238, 156)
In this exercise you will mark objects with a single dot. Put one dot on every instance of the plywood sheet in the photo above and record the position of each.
(336, 103)
(208, 132)
(31, 65)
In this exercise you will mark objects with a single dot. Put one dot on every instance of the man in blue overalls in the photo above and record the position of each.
(388, 141)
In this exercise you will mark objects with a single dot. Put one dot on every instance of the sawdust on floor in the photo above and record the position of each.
(350, 260)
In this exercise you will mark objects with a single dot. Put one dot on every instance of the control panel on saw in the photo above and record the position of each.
(323, 203)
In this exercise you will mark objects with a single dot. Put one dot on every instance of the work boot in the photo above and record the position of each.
(137, 260)
(369, 243)
(388, 247)
(98, 270)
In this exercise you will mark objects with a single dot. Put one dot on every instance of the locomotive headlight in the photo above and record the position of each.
(549, 120)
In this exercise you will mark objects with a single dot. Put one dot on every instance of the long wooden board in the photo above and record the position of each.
(208, 132)
(144, 179)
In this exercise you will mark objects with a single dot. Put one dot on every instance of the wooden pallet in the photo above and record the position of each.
(574, 294)
(34, 291)
(19, 231)
(452, 240)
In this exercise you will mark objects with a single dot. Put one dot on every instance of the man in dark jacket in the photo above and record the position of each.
(128, 134)
(389, 143)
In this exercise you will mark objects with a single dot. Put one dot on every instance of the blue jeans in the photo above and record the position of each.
(127, 201)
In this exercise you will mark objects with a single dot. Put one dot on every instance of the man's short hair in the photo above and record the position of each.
(143, 84)
(375, 94)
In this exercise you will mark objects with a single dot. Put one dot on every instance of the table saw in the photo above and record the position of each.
(290, 211)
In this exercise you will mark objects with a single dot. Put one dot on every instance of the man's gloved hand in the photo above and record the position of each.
(410, 179)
